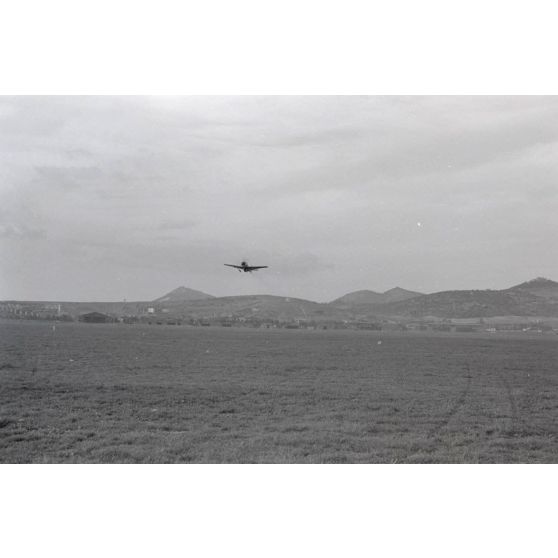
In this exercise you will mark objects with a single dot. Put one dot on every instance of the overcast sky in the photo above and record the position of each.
(106, 198)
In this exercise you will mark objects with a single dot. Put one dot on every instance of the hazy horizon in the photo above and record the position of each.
(112, 198)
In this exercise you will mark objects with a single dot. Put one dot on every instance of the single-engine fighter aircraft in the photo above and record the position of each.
(246, 268)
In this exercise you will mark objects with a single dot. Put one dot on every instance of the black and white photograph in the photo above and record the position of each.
(279, 279)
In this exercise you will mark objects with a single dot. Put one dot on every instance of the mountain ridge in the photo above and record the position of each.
(537, 297)
(182, 294)
(373, 297)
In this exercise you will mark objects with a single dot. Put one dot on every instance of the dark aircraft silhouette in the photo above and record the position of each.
(246, 268)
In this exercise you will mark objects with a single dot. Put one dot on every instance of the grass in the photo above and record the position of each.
(116, 393)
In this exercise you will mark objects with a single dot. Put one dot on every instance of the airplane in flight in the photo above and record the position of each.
(246, 268)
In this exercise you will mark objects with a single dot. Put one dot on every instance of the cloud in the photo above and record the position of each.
(313, 185)
(176, 225)
(67, 177)
(23, 232)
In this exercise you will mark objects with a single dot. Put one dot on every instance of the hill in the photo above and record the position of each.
(397, 293)
(540, 287)
(453, 304)
(263, 306)
(359, 297)
(371, 297)
(183, 294)
(538, 297)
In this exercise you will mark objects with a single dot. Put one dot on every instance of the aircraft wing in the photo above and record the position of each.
(237, 266)
(254, 267)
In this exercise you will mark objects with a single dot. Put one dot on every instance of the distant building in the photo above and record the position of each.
(95, 318)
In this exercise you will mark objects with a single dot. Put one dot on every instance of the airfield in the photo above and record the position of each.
(117, 393)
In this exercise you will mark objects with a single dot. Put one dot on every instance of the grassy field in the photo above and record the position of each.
(116, 393)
